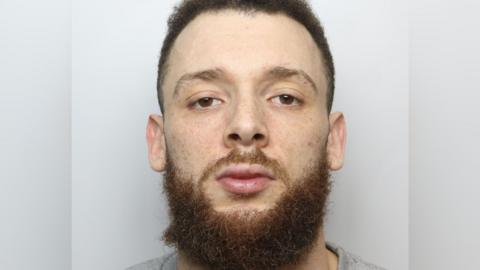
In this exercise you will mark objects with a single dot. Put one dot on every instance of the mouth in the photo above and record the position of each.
(245, 179)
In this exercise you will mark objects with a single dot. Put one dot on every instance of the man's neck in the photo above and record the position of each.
(319, 258)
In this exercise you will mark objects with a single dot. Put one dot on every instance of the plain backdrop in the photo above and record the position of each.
(77, 82)
(444, 135)
(35, 156)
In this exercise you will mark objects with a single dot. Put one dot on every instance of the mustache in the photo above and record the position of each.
(256, 156)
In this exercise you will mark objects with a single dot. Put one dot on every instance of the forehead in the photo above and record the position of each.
(243, 44)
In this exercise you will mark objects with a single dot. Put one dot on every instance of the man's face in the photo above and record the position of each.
(244, 82)
(246, 141)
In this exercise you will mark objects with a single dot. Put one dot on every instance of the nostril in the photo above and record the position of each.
(234, 137)
(258, 137)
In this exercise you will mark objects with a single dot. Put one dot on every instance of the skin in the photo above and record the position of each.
(246, 108)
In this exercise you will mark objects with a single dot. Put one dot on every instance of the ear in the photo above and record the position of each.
(156, 143)
(336, 141)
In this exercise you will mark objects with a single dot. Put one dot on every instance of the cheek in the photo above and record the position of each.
(298, 131)
(193, 145)
(306, 155)
(298, 144)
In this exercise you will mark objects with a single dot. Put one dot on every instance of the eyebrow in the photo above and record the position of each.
(275, 73)
(204, 75)
(279, 73)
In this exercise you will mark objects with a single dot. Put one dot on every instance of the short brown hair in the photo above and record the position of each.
(299, 10)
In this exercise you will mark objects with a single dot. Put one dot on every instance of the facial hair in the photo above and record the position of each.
(255, 240)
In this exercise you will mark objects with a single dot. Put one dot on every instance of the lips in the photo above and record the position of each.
(245, 179)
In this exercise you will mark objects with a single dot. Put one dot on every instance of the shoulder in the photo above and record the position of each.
(348, 261)
(167, 262)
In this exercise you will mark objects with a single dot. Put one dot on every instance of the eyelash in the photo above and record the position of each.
(296, 100)
(196, 104)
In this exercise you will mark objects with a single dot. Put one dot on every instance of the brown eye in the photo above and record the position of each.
(287, 100)
(206, 102)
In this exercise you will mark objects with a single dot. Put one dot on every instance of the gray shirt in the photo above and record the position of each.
(346, 261)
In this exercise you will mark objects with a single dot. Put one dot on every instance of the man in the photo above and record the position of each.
(247, 137)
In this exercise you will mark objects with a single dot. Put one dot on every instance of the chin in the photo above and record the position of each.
(240, 208)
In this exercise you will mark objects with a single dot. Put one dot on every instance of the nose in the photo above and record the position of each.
(246, 127)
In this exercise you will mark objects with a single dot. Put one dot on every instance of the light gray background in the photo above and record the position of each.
(35, 156)
(444, 135)
(118, 214)
(426, 132)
